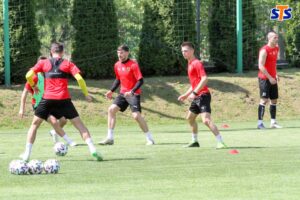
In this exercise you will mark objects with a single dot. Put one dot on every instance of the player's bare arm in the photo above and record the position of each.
(23, 102)
(185, 95)
(261, 66)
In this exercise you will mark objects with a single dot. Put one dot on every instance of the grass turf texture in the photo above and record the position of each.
(267, 166)
(234, 98)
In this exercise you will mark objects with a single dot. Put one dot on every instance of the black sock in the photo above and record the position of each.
(261, 112)
(273, 111)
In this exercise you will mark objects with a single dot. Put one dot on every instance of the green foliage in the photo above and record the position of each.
(250, 43)
(95, 38)
(24, 43)
(222, 37)
(222, 34)
(293, 35)
(166, 25)
(53, 23)
(130, 19)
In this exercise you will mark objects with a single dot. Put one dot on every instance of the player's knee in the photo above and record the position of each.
(62, 121)
(36, 122)
(111, 109)
(274, 101)
(135, 116)
(190, 120)
(264, 101)
(206, 121)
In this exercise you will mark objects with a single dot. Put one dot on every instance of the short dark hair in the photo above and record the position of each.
(123, 47)
(42, 58)
(57, 47)
(189, 44)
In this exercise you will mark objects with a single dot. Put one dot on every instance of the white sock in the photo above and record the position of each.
(149, 136)
(90, 144)
(273, 121)
(110, 133)
(27, 152)
(260, 122)
(67, 139)
(52, 132)
(194, 137)
(219, 138)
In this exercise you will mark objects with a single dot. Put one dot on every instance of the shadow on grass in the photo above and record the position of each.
(108, 160)
(226, 86)
(162, 114)
(245, 147)
(171, 143)
(259, 130)
(123, 159)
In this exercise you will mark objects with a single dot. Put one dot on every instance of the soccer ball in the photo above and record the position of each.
(51, 166)
(18, 167)
(35, 167)
(60, 149)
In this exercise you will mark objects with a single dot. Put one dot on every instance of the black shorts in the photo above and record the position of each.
(201, 104)
(134, 102)
(267, 90)
(57, 108)
(56, 115)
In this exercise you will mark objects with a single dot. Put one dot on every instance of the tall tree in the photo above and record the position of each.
(166, 25)
(222, 37)
(24, 43)
(183, 24)
(250, 43)
(293, 34)
(96, 37)
(53, 23)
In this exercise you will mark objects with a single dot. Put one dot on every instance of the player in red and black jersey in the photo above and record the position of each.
(129, 76)
(38, 80)
(267, 79)
(56, 98)
(200, 96)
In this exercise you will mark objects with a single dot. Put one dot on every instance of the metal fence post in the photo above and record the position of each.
(239, 34)
(6, 42)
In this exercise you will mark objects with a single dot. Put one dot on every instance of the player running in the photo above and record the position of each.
(36, 98)
(267, 79)
(200, 96)
(56, 98)
(129, 76)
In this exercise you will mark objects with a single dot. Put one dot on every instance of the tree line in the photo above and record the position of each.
(154, 29)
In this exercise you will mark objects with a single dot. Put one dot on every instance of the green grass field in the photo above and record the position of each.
(267, 166)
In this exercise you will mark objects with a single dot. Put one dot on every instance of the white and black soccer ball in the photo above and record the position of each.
(60, 149)
(51, 166)
(35, 167)
(18, 167)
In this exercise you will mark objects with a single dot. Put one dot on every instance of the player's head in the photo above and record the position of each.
(272, 38)
(187, 50)
(42, 58)
(57, 49)
(123, 52)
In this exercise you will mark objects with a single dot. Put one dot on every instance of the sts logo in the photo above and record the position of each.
(281, 13)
